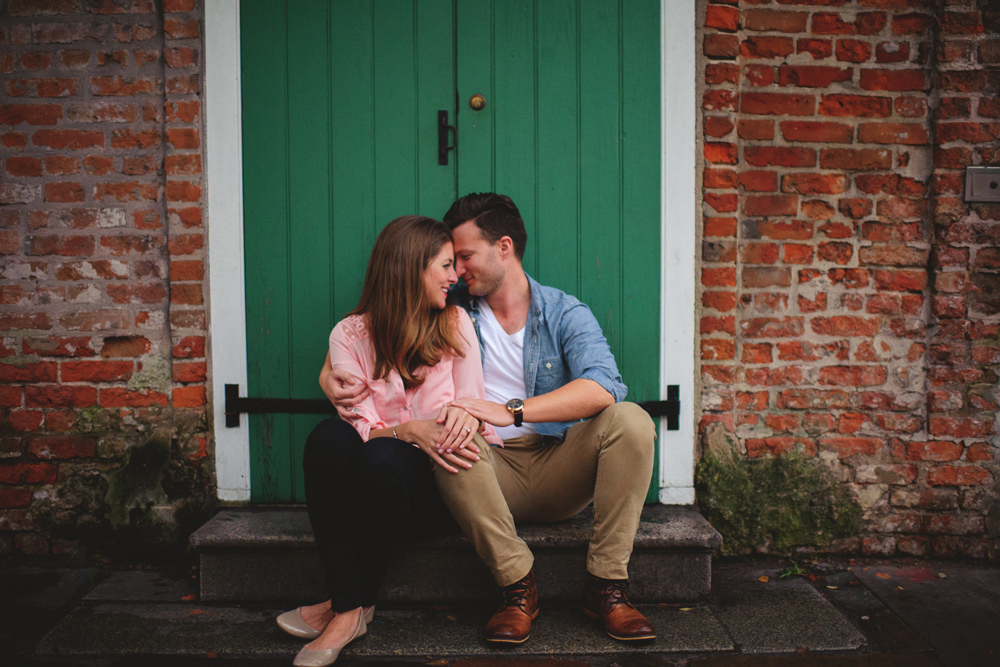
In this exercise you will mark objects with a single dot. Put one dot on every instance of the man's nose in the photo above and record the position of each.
(460, 268)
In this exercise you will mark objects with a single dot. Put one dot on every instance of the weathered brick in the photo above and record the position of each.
(764, 20)
(781, 104)
(766, 47)
(811, 183)
(817, 131)
(780, 156)
(851, 158)
(62, 447)
(847, 447)
(812, 76)
(957, 476)
(777, 446)
(858, 106)
(892, 133)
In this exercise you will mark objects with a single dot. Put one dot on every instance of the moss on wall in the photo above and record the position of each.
(772, 505)
(147, 502)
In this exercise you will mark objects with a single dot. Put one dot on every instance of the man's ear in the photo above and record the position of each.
(506, 247)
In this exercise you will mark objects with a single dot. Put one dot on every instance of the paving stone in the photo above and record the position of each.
(197, 630)
(959, 615)
(31, 598)
(869, 660)
(780, 616)
(141, 586)
(866, 611)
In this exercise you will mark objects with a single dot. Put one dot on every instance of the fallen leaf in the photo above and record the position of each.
(686, 608)
(942, 575)
(864, 618)
(212, 654)
(883, 575)
(187, 597)
(195, 612)
(832, 588)
(763, 579)
(900, 588)
(451, 618)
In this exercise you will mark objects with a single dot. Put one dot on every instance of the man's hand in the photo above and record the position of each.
(343, 389)
(459, 428)
(494, 413)
(425, 434)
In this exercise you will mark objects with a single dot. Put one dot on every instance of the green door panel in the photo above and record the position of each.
(340, 103)
(333, 97)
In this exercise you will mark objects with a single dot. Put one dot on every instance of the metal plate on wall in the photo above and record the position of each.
(982, 184)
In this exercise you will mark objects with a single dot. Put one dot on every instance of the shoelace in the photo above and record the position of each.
(614, 593)
(516, 594)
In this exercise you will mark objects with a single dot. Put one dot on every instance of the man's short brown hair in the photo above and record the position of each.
(495, 215)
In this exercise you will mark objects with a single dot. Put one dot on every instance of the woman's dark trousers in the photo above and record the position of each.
(364, 499)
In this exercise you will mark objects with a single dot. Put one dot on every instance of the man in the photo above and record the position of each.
(554, 393)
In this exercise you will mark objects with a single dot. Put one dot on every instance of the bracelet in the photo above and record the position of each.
(394, 433)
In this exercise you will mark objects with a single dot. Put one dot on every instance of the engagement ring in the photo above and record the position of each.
(467, 429)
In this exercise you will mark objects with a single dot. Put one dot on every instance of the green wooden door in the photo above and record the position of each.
(340, 103)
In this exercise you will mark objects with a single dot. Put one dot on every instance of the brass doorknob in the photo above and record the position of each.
(477, 102)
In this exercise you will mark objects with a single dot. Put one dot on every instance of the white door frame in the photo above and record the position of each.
(227, 313)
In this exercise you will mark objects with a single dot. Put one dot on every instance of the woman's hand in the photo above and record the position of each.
(458, 429)
(488, 411)
(425, 434)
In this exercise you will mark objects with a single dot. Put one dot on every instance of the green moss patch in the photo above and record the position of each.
(773, 505)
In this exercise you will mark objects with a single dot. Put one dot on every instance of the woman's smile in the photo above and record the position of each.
(439, 276)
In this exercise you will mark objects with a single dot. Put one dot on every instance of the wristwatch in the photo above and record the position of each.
(516, 407)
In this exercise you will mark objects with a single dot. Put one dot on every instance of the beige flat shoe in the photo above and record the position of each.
(310, 658)
(293, 623)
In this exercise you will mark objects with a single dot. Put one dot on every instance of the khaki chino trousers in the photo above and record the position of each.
(607, 460)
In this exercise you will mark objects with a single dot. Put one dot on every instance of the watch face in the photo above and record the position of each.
(515, 404)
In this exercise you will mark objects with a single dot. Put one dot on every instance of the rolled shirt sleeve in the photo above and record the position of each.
(587, 352)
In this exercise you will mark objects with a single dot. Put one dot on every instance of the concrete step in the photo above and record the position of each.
(267, 554)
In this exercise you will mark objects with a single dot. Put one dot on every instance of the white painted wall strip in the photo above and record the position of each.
(678, 250)
(227, 350)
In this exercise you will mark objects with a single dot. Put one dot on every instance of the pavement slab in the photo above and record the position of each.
(32, 600)
(779, 615)
(870, 615)
(869, 660)
(958, 614)
(197, 630)
(143, 586)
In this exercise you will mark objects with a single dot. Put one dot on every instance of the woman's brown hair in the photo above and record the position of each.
(405, 332)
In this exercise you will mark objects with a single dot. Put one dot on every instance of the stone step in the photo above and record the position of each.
(267, 554)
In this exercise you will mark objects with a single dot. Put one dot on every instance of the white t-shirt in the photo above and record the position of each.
(503, 366)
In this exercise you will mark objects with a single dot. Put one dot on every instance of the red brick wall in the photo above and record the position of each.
(849, 297)
(102, 319)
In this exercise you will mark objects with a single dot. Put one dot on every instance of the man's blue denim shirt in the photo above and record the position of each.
(562, 342)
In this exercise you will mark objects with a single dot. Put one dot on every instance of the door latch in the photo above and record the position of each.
(443, 128)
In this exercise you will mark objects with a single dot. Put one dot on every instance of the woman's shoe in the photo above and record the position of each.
(293, 623)
(310, 658)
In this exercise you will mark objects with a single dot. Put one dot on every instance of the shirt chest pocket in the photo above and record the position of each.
(551, 372)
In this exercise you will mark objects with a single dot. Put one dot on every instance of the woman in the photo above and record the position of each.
(369, 480)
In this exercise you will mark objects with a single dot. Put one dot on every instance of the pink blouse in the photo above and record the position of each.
(389, 403)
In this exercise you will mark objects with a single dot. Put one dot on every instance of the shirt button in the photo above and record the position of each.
(548, 364)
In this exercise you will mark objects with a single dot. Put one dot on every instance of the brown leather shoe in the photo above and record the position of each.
(604, 600)
(511, 623)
